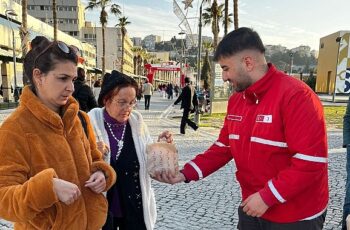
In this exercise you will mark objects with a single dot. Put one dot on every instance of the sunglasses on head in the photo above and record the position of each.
(62, 47)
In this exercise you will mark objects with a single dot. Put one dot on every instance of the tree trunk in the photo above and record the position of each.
(122, 61)
(226, 16)
(103, 58)
(54, 16)
(215, 28)
(235, 14)
(24, 37)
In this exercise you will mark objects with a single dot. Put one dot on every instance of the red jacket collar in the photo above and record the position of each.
(255, 92)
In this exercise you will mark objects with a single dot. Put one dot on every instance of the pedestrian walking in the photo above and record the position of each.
(51, 174)
(123, 137)
(83, 93)
(275, 131)
(147, 93)
(169, 91)
(189, 102)
(346, 144)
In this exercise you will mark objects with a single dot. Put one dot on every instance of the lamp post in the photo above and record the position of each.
(199, 47)
(13, 13)
(338, 39)
(291, 54)
(182, 49)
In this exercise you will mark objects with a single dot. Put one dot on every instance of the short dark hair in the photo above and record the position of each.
(112, 83)
(238, 40)
(80, 74)
(187, 80)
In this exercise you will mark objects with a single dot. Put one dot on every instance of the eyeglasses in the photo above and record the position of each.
(61, 46)
(125, 105)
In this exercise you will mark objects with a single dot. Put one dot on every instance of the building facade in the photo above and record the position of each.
(70, 14)
(333, 68)
(149, 42)
(13, 75)
(93, 34)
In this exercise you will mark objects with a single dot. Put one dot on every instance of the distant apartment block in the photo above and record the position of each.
(70, 14)
(149, 42)
(137, 41)
(93, 34)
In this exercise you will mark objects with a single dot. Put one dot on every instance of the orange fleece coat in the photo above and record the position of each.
(37, 145)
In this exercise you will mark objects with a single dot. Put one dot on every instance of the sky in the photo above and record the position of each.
(278, 22)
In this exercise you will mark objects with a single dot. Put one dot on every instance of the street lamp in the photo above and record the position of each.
(338, 40)
(182, 49)
(291, 54)
(199, 47)
(10, 12)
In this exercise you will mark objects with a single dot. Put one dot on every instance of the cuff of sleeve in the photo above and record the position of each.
(190, 173)
(109, 172)
(268, 197)
(38, 185)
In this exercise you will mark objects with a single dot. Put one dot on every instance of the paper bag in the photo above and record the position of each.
(162, 157)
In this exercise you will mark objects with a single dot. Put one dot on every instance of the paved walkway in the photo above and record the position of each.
(212, 203)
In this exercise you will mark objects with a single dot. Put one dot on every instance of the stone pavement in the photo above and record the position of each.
(212, 202)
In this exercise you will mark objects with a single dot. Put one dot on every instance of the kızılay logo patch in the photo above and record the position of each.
(264, 118)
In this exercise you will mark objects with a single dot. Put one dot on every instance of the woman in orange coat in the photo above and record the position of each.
(51, 174)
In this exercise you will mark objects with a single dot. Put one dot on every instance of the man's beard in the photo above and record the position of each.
(244, 84)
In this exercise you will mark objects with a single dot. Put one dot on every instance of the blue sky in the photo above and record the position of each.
(288, 23)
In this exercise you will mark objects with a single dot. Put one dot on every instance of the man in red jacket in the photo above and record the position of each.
(275, 131)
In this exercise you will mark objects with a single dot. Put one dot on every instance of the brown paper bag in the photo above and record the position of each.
(162, 156)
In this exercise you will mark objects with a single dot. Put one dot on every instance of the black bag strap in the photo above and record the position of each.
(83, 123)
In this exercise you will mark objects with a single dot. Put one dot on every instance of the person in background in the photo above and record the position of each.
(122, 136)
(51, 174)
(176, 90)
(346, 144)
(275, 131)
(147, 91)
(139, 93)
(189, 102)
(97, 89)
(83, 93)
(169, 91)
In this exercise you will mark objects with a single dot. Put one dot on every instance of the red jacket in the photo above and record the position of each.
(275, 131)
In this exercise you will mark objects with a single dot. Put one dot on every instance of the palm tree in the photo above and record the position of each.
(54, 17)
(206, 68)
(114, 9)
(24, 35)
(235, 13)
(213, 15)
(226, 16)
(123, 21)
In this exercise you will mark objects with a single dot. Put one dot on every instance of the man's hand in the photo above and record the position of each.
(167, 136)
(66, 192)
(168, 177)
(254, 205)
(96, 182)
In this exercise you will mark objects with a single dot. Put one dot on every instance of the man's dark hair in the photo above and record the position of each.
(238, 40)
(187, 80)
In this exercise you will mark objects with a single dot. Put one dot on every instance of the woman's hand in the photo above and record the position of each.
(102, 147)
(167, 136)
(66, 192)
(96, 182)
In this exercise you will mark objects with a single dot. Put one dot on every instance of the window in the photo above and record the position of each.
(31, 7)
(322, 45)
